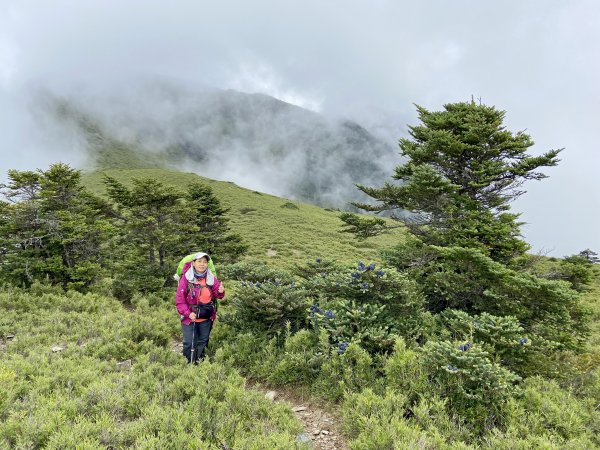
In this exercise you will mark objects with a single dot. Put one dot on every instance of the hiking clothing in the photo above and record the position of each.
(203, 291)
(201, 336)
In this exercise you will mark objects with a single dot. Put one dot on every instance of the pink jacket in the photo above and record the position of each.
(184, 298)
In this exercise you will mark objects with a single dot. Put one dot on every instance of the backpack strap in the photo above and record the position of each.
(190, 288)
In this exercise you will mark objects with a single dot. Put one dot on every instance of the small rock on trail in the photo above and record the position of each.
(322, 427)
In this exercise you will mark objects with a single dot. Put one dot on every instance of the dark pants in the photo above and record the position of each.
(201, 335)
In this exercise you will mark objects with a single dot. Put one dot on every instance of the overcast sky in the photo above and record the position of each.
(365, 60)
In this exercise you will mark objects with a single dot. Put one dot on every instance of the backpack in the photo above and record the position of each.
(187, 259)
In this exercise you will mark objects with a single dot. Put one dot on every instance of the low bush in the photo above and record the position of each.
(369, 306)
(476, 387)
(502, 336)
(255, 272)
(301, 359)
(268, 307)
(348, 370)
(405, 371)
(289, 205)
(386, 421)
(79, 396)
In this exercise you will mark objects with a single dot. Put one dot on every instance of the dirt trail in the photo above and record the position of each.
(322, 425)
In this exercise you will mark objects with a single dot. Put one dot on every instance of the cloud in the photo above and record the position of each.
(261, 78)
(538, 60)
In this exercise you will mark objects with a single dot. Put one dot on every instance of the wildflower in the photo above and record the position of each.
(329, 314)
(314, 308)
(371, 266)
(380, 273)
(258, 284)
(355, 275)
(250, 284)
(277, 283)
(318, 260)
(452, 368)
(243, 284)
(361, 266)
(465, 347)
(342, 347)
(323, 274)
(523, 341)
(364, 285)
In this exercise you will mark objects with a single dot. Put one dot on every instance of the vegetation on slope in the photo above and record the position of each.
(453, 338)
(275, 233)
(81, 371)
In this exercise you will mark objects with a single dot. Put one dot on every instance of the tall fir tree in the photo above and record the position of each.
(158, 225)
(52, 228)
(462, 171)
(207, 226)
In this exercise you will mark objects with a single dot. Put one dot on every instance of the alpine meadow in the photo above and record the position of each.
(413, 311)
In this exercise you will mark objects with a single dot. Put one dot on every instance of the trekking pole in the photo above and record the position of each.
(193, 352)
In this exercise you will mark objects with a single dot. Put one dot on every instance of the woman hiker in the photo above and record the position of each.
(196, 297)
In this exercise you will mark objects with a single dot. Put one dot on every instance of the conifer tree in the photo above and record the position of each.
(207, 226)
(158, 225)
(52, 228)
(462, 171)
(149, 215)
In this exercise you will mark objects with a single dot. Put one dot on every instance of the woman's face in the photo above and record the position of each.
(200, 264)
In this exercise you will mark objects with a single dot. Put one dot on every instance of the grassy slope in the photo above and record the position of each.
(79, 397)
(283, 237)
(591, 299)
(277, 235)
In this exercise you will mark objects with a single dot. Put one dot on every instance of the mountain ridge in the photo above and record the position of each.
(255, 140)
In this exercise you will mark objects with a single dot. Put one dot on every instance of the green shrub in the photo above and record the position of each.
(550, 408)
(268, 307)
(405, 372)
(79, 397)
(501, 336)
(369, 306)
(366, 324)
(382, 422)
(467, 280)
(350, 371)
(252, 354)
(289, 205)
(465, 374)
(317, 267)
(255, 272)
(577, 270)
(361, 409)
(303, 355)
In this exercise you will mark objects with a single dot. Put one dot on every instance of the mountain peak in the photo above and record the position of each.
(255, 140)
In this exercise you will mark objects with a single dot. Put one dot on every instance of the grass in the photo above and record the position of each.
(591, 298)
(77, 395)
(278, 234)
(80, 396)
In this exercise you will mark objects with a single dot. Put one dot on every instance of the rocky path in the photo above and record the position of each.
(322, 426)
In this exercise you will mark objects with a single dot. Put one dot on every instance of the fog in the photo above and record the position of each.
(364, 61)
